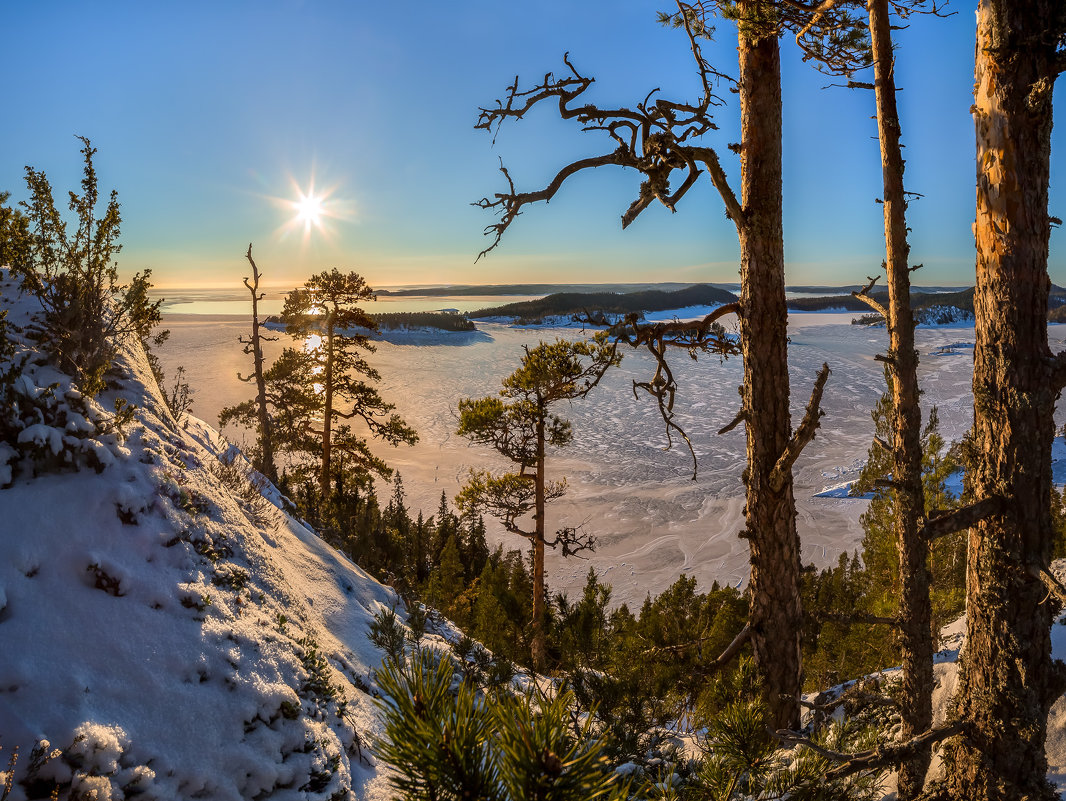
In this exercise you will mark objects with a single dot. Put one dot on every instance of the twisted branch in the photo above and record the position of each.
(704, 335)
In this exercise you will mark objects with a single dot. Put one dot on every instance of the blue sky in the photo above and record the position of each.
(211, 116)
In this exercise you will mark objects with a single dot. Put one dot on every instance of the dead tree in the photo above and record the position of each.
(1008, 681)
(253, 346)
(659, 137)
(914, 622)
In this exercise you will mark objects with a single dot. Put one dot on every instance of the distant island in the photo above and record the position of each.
(404, 321)
(465, 290)
(613, 304)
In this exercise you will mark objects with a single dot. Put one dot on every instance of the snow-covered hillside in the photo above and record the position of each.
(165, 634)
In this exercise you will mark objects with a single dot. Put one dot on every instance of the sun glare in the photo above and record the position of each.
(309, 211)
(312, 211)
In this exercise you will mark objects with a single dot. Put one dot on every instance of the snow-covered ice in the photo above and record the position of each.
(623, 485)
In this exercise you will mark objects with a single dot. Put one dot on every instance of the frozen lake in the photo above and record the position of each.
(651, 521)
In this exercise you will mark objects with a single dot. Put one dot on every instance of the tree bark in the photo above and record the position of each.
(327, 409)
(776, 614)
(1007, 681)
(915, 615)
(266, 433)
(540, 648)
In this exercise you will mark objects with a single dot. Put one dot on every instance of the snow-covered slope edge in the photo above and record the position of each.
(172, 640)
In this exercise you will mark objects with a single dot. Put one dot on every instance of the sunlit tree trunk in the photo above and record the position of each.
(327, 407)
(776, 613)
(1007, 681)
(266, 426)
(540, 648)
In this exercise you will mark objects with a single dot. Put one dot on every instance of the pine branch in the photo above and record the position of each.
(858, 618)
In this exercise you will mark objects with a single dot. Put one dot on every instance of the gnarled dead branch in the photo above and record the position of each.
(706, 335)
(864, 295)
(803, 435)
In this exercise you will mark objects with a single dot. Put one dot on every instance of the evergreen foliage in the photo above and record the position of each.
(53, 421)
(86, 311)
(444, 321)
(313, 391)
(561, 304)
(448, 741)
(837, 649)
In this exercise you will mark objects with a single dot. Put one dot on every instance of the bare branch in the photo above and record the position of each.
(573, 540)
(858, 618)
(705, 335)
(651, 138)
(864, 295)
(853, 695)
(736, 421)
(959, 519)
(510, 203)
(722, 660)
(882, 756)
(709, 157)
(1053, 585)
(803, 435)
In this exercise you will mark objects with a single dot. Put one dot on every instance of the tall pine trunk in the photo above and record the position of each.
(327, 409)
(1007, 681)
(540, 647)
(915, 632)
(776, 613)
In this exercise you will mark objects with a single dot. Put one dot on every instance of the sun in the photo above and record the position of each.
(310, 209)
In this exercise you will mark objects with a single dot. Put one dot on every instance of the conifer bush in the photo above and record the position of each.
(445, 740)
(86, 310)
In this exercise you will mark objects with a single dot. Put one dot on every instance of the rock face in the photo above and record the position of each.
(167, 630)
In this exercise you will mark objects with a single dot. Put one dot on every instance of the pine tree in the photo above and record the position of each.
(334, 371)
(522, 428)
(1019, 55)
(446, 584)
